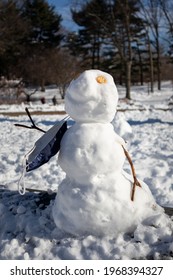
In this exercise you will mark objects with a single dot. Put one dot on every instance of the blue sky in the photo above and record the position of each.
(63, 8)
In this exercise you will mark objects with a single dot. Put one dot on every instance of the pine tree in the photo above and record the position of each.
(90, 35)
(43, 37)
(43, 22)
(29, 31)
(13, 30)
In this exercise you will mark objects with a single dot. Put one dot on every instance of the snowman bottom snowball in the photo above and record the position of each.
(95, 196)
(102, 208)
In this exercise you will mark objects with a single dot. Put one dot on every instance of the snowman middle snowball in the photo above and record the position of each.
(94, 198)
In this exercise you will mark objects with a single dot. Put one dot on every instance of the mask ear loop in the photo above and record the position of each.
(21, 183)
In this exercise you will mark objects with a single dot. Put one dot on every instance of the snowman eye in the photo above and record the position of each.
(101, 80)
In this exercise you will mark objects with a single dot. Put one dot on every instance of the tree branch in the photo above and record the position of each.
(33, 126)
(136, 182)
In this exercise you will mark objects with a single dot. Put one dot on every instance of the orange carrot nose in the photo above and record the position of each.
(101, 80)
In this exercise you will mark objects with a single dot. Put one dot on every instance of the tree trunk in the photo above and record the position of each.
(151, 63)
(93, 56)
(43, 85)
(158, 65)
(28, 98)
(151, 69)
(128, 79)
(140, 65)
(159, 74)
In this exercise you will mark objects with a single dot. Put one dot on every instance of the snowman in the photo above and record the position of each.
(96, 195)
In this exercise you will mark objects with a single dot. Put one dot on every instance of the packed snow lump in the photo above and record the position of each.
(95, 196)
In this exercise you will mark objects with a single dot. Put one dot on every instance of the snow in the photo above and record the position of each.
(27, 228)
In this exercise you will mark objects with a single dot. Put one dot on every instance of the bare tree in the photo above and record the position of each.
(121, 25)
(167, 8)
(151, 66)
(153, 17)
(62, 69)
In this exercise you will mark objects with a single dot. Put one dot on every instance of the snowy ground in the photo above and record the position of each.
(27, 230)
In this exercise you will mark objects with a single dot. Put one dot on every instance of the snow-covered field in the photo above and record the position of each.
(27, 229)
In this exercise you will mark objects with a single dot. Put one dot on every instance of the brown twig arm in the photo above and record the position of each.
(33, 126)
(29, 115)
(135, 182)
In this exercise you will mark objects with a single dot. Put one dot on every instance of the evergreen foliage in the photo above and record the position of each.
(43, 23)
(29, 31)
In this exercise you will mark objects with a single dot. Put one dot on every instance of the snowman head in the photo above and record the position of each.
(92, 97)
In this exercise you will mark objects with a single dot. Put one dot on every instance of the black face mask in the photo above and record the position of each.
(45, 148)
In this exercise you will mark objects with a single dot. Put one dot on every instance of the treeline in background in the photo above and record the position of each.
(130, 39)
